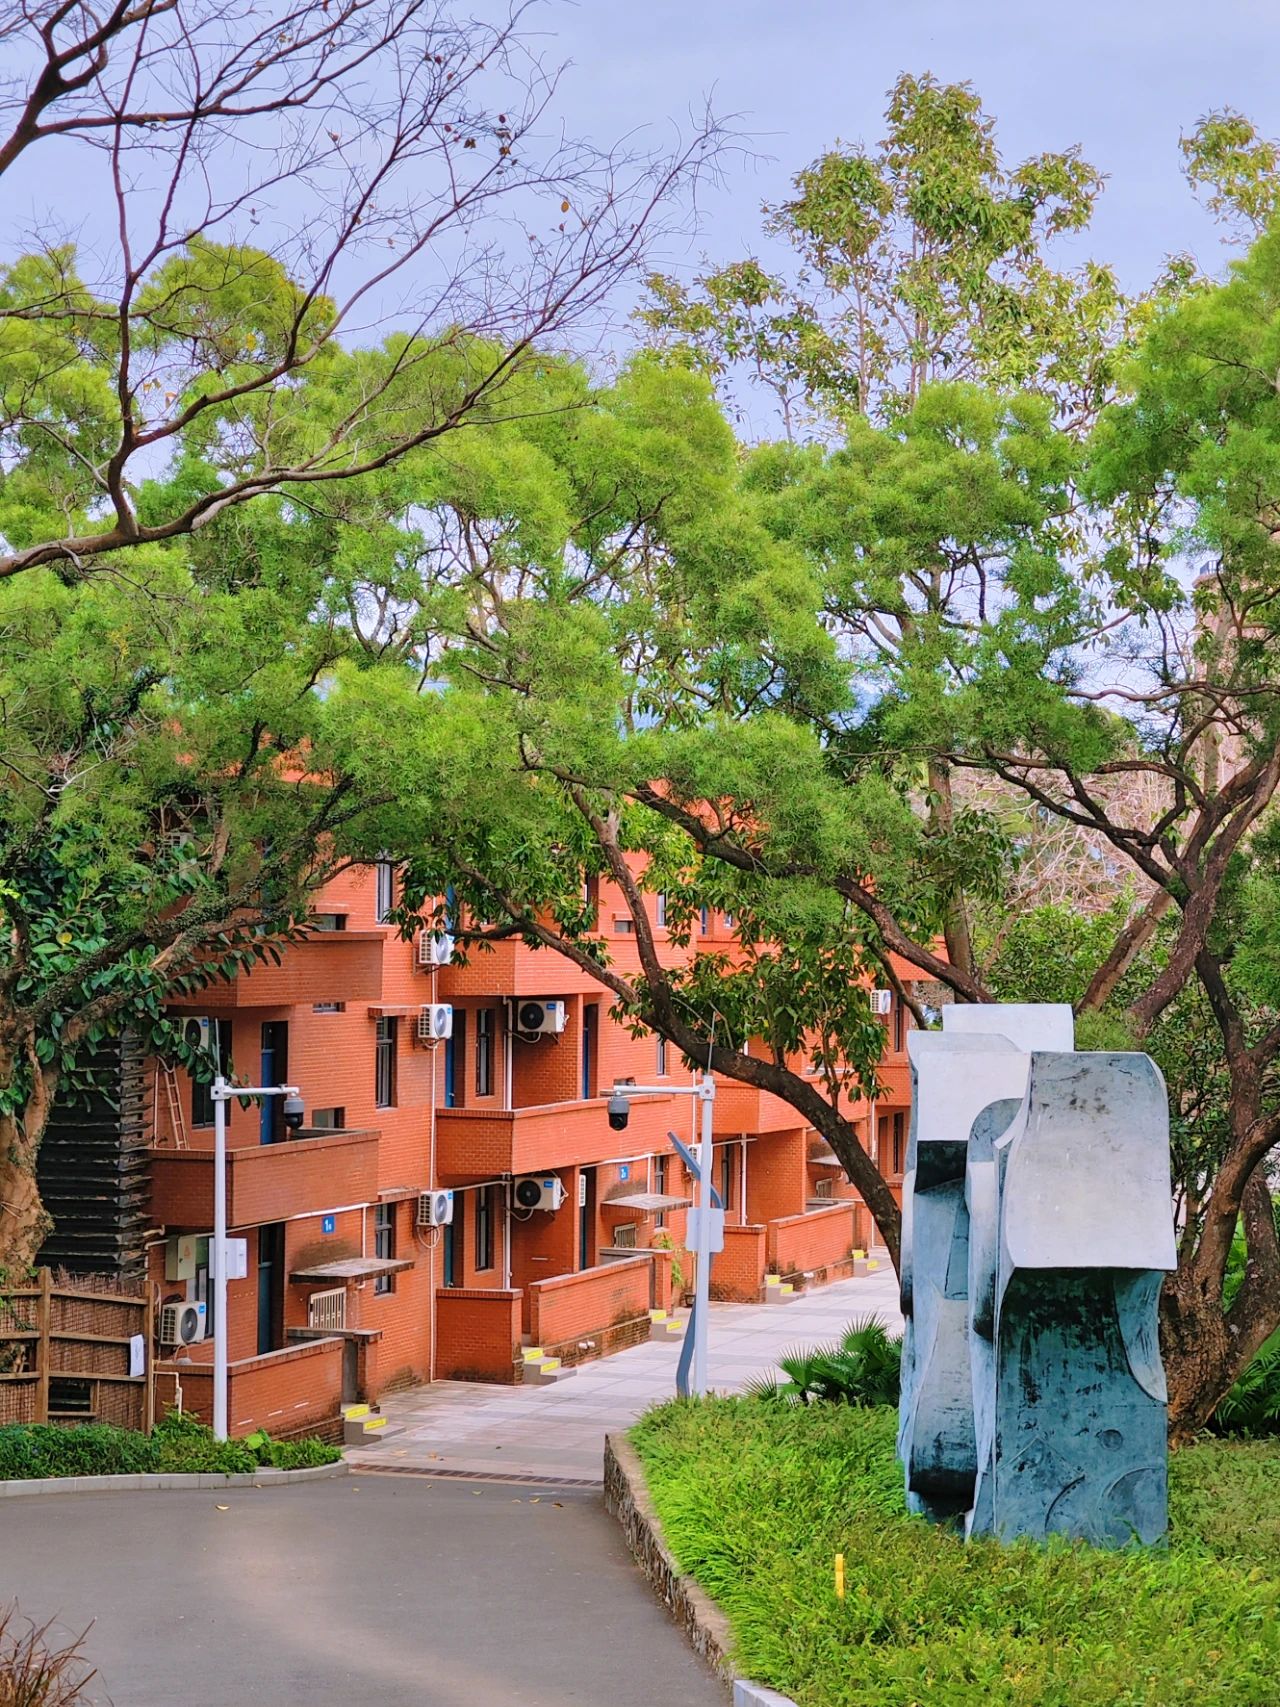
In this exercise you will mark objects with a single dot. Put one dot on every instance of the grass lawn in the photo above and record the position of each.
(756, 1501)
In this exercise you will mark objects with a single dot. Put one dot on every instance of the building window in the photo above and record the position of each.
(660, 1186)
(591, 894)
(662, 1057)
(899, 1021)
(329, 1119)
(484, 1052)
(623, 924)
(384, 1076)
(899, 1124)
(202, 1090)
(729, 921)
(328, 1007)
(704, 919)
(660, 912)
(484, 1227)
(453, 1252)
(726, 1178)
(328, 921)
(385, 892)
(384, 1244)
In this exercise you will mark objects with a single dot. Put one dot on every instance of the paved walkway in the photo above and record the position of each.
(556, 1433)
(349, 1593)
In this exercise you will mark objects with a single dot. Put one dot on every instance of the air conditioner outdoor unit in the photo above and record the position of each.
(540, 1191)
(182, 1324)
(582, 1190)
(435, 1208)
(822, 1188)
(435, 1022)
(201, 1033)
(624, 1237)
(435, 948)
(882, 1002)
(539, 1019)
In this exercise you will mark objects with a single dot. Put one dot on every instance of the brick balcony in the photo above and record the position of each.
(514, 969)
(476, 1143)
(328, 966)
(265, 1182)
(743, 1108)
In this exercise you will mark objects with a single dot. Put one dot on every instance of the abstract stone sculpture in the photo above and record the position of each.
(1036, 1224)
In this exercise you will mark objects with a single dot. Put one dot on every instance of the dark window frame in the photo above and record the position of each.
(201, 1089)
(486, 1032)
(384, 1245)
(484, 1229)
(384, 890)
(386, 1046)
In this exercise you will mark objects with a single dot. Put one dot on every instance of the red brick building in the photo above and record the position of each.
(346, 1290)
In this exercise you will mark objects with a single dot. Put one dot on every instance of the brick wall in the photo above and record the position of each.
(282, 1392)
(776, 1176)
(737, 1272)
(816, 1240)
(574, 1306)
(477, 1334)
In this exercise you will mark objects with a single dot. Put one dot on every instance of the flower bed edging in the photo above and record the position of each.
(626, 1497)
(267, 1477)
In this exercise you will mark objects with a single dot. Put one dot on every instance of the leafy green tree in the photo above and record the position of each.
(922, 259)
(274, 183)
(756, 727)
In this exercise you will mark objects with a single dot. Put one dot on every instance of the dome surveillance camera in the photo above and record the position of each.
(619, 1111)
(292, 1111)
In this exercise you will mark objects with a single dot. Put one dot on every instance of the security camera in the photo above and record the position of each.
(292, 1111)
(619, 1111)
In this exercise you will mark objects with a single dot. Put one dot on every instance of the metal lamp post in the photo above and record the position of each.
(705, 1093)
(221, 1094)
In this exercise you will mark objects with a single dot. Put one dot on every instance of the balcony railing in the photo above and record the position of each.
(310, 1173)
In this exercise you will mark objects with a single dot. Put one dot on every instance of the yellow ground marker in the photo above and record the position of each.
(839, 1576)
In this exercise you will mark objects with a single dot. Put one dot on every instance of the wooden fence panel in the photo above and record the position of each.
(65, 1353)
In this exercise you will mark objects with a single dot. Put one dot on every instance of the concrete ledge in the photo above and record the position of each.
(264, 1478)
(626, 1497)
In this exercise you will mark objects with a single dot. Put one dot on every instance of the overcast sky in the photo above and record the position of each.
(1123, 79)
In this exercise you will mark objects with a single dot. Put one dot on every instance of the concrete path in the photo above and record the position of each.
(407, 1593)
(556, 1433)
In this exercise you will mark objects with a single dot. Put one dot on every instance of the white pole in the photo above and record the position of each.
(221, 1090)
(702, 1284)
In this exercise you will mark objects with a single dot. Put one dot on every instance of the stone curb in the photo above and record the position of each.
(626, 1497)
(264, 1478)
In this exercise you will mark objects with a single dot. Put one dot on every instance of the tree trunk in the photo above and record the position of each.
(24, 1225)
(955, 927)
(1197, 1351)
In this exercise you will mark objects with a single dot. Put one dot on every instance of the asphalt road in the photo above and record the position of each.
(397, 1590)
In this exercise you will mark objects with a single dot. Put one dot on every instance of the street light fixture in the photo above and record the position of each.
(704, 1091)
(292, 1111)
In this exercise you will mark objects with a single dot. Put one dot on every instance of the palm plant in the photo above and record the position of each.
(862, 1368)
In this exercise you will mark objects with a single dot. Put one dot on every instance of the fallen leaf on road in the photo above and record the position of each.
(222, 1508)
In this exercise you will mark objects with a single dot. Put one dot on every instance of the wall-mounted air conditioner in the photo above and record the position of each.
(435, 948)
(328, 1309)
(200, 1033)
(539, 1019)
(539, 1191)
(435, 1208)
(882, 1002)
(182, 1324)
(435, 1022)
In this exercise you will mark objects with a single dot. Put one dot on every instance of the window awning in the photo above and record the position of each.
(391, 1010)
(649, 1201)
(352, 1268)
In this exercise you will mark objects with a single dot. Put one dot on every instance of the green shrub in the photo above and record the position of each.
(179, 1444)
(863, 1369)
(28, 1451)
(299, 1454)
(757, 1499)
